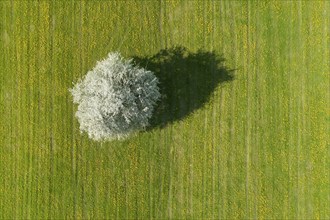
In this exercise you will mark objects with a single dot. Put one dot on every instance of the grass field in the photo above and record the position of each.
(258, 148)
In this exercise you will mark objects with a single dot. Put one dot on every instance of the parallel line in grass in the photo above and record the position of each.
(123, 39)
(186, 157)
(273, 101)
(204, 173)
(4, 131)
(204, 168)
(191, 175)
(2, 101)
(14, 137)
(42, 127)
(221, 192)
(19, 177)
(182, 165)
(62, 109)
(269, 115)
(164, 205)
(190, 152)
(151, 145)
(256, 136)
(79, 142)
(223, 189)
(150, 165)
(221, 170)
(306, 119)
(51, 137)
(255, 133)
(278, 109)
(290, 104)
(237, 125)
(229, 168)
(24, 111)
(161, 23)
(38, 65)
(29, 122)
(326, 37)
(172, 140)
(18, 162)
(258, 118)
(262, 91)
(306, 114)
(71, 117)
(34, 113)
(213, 120)
(9, 113)
(74, 142)
(186, 26)
(4, 69)
(162, 188)
(299, 144)
(46, 210)
(25, 115)
(189, 157)
(171, 158)
(234, 155)
(248, 114)
(263, 142)
(89, 168)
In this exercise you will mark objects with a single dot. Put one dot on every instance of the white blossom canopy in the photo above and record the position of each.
(115, 99)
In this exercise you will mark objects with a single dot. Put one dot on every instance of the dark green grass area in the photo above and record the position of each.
(242, 130)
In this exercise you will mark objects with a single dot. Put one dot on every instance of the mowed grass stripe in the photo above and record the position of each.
(20, 89)
(290, 104)
(317, 108)
(257, 120)
(326, 47)
(4, 105)
(300, 138)
(222, 196)
(248, 70)
(30, 118)
(2, 101)
(9, 154)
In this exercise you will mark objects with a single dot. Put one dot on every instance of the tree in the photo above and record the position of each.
(115, 99)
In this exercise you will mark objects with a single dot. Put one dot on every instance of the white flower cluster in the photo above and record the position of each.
(115, 99)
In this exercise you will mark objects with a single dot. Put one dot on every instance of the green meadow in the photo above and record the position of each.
(256, 147)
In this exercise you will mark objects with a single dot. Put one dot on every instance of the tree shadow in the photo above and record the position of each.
(187, 81)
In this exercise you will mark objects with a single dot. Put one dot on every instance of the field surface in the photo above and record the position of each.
(256, 146)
